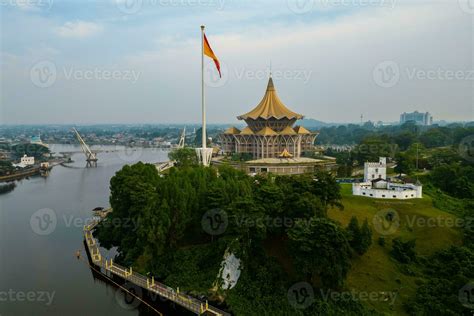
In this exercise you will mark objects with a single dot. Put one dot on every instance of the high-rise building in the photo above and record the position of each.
(417, 117)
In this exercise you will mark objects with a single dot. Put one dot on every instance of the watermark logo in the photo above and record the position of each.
(467, 6)
(466, 295)
(129, 6)
(129, 296)
(466, 148)
(43, 222)
(300, 6)
(12, 295)
(28, 4)
(386, 74)
(215, 222)
(278, 74)
(43, 74)
(129, 154)
(211, 75)
(356, 3)
(363, 296)
(386, 222)
(301, 295)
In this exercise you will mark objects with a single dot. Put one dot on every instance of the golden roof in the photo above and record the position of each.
(288, 131)
(270, 106)
(267, 131)
(285, 154)
(301, 130)
(232, 130)
(246, 131)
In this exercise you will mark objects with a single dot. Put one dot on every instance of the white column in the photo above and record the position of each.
(204, 154)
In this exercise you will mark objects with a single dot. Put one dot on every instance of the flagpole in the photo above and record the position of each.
(204, 138)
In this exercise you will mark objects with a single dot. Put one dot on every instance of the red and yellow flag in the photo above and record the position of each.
(209, 53)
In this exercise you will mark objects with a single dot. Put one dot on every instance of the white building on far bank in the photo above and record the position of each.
(376, 185)
(25, 161)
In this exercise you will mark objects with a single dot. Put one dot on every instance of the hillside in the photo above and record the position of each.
(377, 271)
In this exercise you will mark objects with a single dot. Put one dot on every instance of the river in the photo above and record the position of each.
(39, 272)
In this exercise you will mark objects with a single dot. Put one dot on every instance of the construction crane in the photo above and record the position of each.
(91, 157)
(182, 138)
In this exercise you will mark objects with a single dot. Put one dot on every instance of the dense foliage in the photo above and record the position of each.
(170, 233)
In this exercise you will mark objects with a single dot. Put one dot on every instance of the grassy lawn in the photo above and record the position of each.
(376, 271)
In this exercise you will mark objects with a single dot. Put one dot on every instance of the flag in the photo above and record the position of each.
(209, 53)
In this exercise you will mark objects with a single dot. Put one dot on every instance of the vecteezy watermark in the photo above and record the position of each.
(285, 74)
(439, 221)
(211, 75)
(215, 222)
(300, 6)
(212, 79)
(387, 74)
(466, 148)
(134, 6)
(301, 295)
(386, 222)
(44, 74)
(389, 148)
(363, 296)
(45, 221)
(129, 154)
(129, 296)
(439, 73)
(467, 6)
(28, 4)
(44, 297)
(466, 295)
(305, 6)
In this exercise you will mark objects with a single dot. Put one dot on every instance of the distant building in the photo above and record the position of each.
(269, 131)
(417, 117)
(375, 170)
(271, 139)
(376, 184)
(25, 161)
(37, 140)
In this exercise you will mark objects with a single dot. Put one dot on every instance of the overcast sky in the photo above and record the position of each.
(138, 61)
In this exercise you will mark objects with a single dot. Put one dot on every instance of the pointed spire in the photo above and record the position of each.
(270, 107)
(270, 86)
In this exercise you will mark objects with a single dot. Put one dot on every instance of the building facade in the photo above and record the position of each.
(417, 117)
(376, 185)
(375, 170)
(270, 131)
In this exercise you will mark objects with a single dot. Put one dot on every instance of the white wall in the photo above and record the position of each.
(375, 170)
(401, 192)
(27, 161)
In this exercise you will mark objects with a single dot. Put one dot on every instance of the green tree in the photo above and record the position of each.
(404, 251)
(320, 250)
(360, 238)
(184, 157)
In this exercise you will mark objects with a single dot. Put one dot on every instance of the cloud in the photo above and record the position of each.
(79, 29)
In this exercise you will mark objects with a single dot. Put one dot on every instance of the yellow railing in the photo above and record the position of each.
(150, 284)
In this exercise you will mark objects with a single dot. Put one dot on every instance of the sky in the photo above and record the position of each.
(139, 61)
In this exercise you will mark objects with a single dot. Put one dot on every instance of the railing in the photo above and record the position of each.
(190, 303)
(162, 166)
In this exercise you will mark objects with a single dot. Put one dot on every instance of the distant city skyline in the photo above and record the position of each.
(119, 61)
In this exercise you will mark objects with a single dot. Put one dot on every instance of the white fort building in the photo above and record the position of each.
(376, 184)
